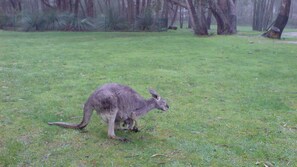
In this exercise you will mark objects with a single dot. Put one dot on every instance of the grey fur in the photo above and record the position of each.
(115, 104)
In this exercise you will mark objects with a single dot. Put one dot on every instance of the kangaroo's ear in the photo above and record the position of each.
(154, 94)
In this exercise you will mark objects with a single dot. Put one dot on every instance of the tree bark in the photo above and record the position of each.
(232, 16)
(225, 14)
(90, 8)
(198, 24)
(174, 15)
(181, 18)
(130, 11)
(137, 7)
(223, 25)
(76, 7)
(16, 4)
(165, 12)
(262, 14)
(208, 18)
(276, 30)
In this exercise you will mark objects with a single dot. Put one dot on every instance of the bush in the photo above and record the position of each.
(3, 20)
(35, 21)
(7, 21)
(78, 24)
(113, 21)
(145, 21)
(54, 20)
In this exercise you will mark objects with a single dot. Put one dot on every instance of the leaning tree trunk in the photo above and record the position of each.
(262, 14)
(276, 30)
(198, 24)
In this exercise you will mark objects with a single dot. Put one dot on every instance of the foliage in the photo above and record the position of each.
(145, 21)
(232, 98)
(54, 20)
(33, 21)
(3, 20)
(113, 21)
(77, 24)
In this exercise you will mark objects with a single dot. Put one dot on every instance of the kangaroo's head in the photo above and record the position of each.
(161, 103)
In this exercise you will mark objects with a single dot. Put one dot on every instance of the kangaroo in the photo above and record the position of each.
(117, 103)
(131, 123)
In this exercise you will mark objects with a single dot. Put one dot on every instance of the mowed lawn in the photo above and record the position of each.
(233, 99)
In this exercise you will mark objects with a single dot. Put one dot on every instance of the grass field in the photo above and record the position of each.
(233, 99)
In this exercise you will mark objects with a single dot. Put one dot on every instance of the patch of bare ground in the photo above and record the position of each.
(289, 35)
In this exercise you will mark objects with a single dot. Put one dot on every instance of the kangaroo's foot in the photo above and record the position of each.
(122, 139)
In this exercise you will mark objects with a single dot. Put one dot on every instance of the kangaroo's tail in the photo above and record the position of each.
(88, 111)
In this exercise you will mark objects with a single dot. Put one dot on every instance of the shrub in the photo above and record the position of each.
(7, 21)
(145, 21)
(113, 21)
(34, 21)
(78, 24)
(54, 20)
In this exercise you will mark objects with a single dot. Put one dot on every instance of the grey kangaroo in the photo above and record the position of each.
(117, 104)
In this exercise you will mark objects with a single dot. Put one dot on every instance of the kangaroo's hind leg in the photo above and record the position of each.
(111, 126)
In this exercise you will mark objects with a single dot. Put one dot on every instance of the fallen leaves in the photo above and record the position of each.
(265, 164)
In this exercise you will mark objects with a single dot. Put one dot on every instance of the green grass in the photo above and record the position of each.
(233, 99)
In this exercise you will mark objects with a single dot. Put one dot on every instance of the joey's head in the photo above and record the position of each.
(161, 103)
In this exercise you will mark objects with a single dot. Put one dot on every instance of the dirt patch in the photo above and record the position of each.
(291, 42)
(290, 34)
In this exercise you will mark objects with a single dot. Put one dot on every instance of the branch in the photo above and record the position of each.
(46, 3)
(176, 2)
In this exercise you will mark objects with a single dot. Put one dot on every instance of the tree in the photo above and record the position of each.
(198, 23)
(276, 30)
(224, 12)
(262, 15)
(90, 8)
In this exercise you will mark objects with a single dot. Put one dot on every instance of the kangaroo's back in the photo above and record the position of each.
(120, 97)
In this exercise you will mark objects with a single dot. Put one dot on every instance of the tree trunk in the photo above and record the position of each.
(76, 8)
(165, 12)
(225, 14)
(143, 5)
(130, 11)
(198, 24)
(232, 16)
(137, 7)
(223, 25)
(181, 17)
(174, 15)
(262, 14)
(208, 19)
(16, 4)
(276, 30)
(90, 8)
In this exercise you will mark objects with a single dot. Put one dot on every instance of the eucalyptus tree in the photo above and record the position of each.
(224, 12)
(262, 14)
(276, 30)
